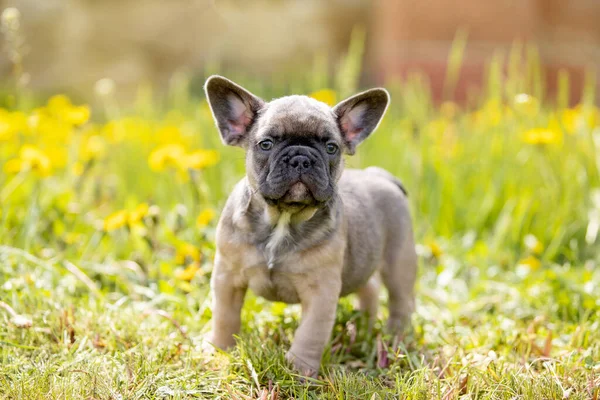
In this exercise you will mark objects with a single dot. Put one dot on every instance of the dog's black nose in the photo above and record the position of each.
(300, 163)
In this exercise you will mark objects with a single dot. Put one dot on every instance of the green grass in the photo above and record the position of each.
(504, 193)
(480, 330)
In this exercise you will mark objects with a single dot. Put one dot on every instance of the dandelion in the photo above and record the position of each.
(186, 253)
(580, 117)
(542, 136)
(168, 134)
(13, 166)
(205, 217)
(49, 128)
(138, 214)
(11, 123)
(490, 115)
(93, 148)
(188, 273)
(166, 156)
(30, 159)
(116, 220)
(60, 107)
(533, 244)
(57, 155)
(201, 159)
(530, 262)
(434, 248)
(130, 218)
(326, 96)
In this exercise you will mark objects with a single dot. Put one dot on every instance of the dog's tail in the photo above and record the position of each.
(382, 172)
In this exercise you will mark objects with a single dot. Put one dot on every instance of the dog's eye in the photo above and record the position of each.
(331, 148)
(266, 144)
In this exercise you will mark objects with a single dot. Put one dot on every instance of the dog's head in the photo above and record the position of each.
(294, 144)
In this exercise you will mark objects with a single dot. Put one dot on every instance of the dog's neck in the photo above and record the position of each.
(277, 232)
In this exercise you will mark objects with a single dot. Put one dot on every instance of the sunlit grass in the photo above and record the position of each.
(107, 219)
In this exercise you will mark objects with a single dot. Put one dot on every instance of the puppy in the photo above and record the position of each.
(299, 229)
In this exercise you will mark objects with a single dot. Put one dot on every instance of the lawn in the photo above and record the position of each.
(107, 219)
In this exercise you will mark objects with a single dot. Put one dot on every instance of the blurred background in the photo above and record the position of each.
(71, 44)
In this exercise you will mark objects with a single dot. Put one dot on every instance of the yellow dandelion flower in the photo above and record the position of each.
(569, 120)
(48, 128)
(116, 220)
(579, 117)
(13, 166)
(60, 106)
(138, 214)
(114, 131)
(327, 96)
(490, 115)
(205, 217)
(548, 135)
(168, 134)
(201, 159)
(531, 262)
(187, 252)
(533, 244)
(166, 156)
(436, 250)
(35, 160)
(188, 273)
(93, 148)
(78, 115)
(57, 155)
(30, 159)
(11, 123)
(58, 102)
(592, 117)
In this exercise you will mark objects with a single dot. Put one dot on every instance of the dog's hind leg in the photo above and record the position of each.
(399, 275)
(368, 298)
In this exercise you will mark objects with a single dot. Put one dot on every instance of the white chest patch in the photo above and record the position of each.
(278, 236)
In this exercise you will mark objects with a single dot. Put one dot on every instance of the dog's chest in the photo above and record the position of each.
(272, 277)
(273, 284)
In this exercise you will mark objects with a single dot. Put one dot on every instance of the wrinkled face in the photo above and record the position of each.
(294, 144)
(294, 155)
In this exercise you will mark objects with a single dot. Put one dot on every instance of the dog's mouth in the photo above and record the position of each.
(296, 198)
(297, 194)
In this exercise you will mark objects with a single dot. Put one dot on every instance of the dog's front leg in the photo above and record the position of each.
(228, 299)
(319, 303)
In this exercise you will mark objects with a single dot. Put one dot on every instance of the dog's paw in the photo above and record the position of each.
(212, 342)
(305, 368)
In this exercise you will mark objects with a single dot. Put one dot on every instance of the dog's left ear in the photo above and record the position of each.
(233, 107)
(360, 115)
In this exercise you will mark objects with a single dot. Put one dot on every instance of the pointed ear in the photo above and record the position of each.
(360, 115)
(233, 108)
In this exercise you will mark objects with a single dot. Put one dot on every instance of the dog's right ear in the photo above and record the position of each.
(234, 109)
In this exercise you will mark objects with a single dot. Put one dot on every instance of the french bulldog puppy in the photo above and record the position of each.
(300, 229)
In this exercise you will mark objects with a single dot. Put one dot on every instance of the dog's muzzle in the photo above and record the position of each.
(297, 178)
